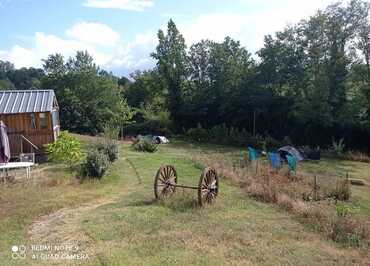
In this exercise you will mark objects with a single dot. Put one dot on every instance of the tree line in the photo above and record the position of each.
(310, 81)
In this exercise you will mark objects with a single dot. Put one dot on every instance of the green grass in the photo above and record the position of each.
(127, 227)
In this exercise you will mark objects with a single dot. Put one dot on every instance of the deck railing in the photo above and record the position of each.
(21, 144)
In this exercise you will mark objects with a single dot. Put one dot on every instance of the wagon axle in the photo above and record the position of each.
(165, 184)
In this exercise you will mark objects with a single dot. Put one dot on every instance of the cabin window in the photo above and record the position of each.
(32, 121)
(43, 121)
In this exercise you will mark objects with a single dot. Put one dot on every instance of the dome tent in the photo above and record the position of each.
(290, 150)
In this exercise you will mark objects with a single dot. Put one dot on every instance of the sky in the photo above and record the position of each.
(121, 34)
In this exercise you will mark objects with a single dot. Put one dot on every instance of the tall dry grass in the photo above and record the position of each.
(295, 194)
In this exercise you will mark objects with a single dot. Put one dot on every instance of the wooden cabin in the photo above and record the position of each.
(32, 118)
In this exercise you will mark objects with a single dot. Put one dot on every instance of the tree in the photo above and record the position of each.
(83, 62)
(364, 45)
(171, 63)
(147, 89)
(54, 65)
(5, 68)
(88, 98)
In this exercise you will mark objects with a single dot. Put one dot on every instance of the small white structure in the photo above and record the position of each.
(160, 140)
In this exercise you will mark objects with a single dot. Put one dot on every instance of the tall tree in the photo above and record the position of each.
(171, 62)
(88, 98)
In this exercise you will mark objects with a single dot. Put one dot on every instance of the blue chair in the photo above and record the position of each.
(275, 160)
(252, 154)
(292, 163)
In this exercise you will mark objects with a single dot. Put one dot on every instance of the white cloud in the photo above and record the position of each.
(121, 57)
(93, 33)
(132, 5)
(116, 54)
(249, 28)
(19, 56)
(44, 45)
(134, 55)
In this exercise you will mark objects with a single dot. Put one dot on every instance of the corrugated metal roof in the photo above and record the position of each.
(26, 101)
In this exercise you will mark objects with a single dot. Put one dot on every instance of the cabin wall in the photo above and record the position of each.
(20, 124)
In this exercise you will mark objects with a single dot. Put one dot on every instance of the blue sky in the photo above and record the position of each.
(121, 34)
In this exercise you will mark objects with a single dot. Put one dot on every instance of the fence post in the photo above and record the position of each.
(315, 187)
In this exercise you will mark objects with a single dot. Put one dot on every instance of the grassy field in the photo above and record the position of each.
(117, 222)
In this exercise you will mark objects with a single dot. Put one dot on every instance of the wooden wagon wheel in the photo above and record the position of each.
(165, 181)
(208, 186)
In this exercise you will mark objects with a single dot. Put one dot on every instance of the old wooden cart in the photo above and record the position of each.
(165, 184)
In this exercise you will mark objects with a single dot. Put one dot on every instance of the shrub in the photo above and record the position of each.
(95, 165)
(110, 149)
(145, 145)
(338, 147)
(67, 149)
(108, 144)
(198, 134)
(219, 133)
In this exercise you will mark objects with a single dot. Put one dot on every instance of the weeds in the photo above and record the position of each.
(296, 196)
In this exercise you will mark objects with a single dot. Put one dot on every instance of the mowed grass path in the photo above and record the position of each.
(133, 229)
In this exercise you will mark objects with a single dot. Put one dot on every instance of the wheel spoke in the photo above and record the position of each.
(168, 171)
(207, 178)
(163, 174)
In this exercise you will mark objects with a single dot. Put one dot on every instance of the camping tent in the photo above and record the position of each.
(160, 140)
(289, 150)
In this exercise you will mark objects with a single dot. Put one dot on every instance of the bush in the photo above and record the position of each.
(219, 133)
(198, 134)
(67, 149)
(95, 165)
(110, 149)
(338, 147)
(145, 145)
(108, 143)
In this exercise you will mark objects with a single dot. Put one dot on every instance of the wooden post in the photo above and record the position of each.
(315, 187)
(21, 140)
